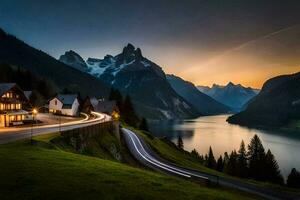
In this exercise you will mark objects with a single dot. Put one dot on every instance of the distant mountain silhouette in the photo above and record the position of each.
(73, 59)
(202, 102)
(276, 105)
(233, 96)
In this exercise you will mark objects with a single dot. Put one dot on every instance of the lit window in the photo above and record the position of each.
(12, 106)
(12, 118)
(18, 106)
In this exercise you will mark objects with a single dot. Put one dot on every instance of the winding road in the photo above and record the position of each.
(142, 153)
(12, 134)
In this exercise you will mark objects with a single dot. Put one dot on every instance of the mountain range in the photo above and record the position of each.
(153, 94)
(231, 95)
(143, 80)
(277, 104)
(15, 52)
(202, 102)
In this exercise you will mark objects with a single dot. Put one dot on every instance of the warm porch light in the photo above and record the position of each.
(115, 115)
(34, 111)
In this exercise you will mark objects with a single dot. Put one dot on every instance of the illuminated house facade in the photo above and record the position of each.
(12, 101)
(64, 104)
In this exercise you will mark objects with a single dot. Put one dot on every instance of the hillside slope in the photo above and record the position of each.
(203, 103)
(14, 51)
(276, 105)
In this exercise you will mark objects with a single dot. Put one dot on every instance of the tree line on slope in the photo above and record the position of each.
(127, 111)
(252, 162)
(41, 89)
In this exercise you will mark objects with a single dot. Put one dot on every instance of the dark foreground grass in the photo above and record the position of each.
(45, 171)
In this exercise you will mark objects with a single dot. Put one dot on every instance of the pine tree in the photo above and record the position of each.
(220, 164)
(116, 96)
(195, 153)
(294, 179)
(226, 159)
(144, 125)
(256, 157)
(43, 89)
(129, 115)
(242, 165)
(205, 159)
(211, 161)
(272, 171)
(231, 167)
(180, 142)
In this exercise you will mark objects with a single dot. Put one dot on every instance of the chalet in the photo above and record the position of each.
(64, 104)
(12, 102)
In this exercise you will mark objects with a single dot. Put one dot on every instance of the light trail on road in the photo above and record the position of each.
(145, 156)
(14, 134)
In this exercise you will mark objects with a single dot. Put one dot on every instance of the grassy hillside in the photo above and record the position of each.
(46, 171)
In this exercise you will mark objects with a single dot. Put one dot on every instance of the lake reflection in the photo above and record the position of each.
(214, 131)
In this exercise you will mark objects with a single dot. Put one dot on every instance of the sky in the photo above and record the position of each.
(203, 41)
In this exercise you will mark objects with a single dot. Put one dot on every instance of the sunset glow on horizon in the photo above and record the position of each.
(204, 42)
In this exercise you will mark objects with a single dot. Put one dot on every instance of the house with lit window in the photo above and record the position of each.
(12, 102)
(64, 104)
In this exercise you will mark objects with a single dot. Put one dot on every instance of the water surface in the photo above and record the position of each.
(214, 131)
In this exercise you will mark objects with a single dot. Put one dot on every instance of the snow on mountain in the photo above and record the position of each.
(144, 81)
(98, 66)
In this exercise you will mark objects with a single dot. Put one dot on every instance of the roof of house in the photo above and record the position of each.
(4, 87)
(67, 99)
(94, 101)
(28, 94)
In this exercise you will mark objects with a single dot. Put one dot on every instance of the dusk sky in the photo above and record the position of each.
(204, 42)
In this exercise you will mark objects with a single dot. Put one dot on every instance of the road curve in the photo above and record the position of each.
(14, 134)
(142, 153)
